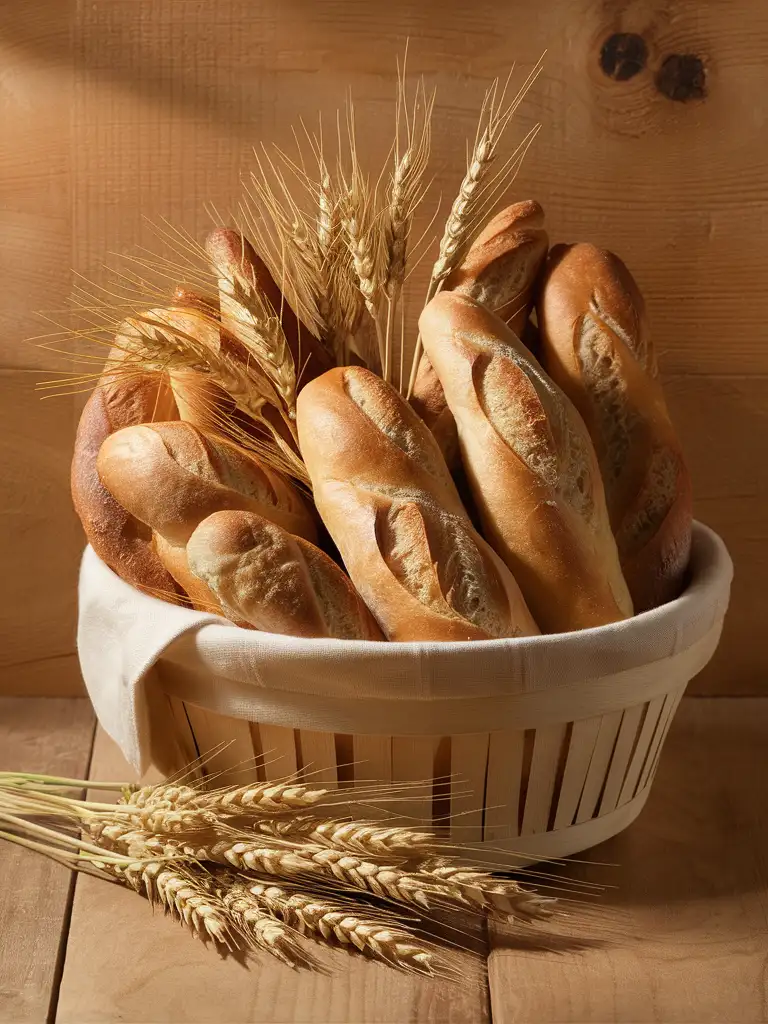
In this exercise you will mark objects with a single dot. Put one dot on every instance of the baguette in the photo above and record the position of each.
(596, 345)
(265, 577)
(499, 271)
(531, 467)
(385, 494)
(120, 540)
(171, 476)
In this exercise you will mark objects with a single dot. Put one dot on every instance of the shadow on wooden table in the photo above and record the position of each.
(704, 833)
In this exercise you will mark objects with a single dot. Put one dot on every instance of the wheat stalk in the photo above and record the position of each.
(249, 317)
(352, 836)
(161, 340)
(183, 895)
(376, 935)
(480, 889)
(266, 932)
(259, 798)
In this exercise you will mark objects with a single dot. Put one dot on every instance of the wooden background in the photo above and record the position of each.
(653, 143)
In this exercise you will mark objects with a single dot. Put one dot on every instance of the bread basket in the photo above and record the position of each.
(541, 746)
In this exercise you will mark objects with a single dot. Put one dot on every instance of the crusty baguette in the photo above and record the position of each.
(269, 579)
(123, 542)
(596, 345)
(240, 268)
(531, 466)
(384, 492)
(499, 271)
(171, 476)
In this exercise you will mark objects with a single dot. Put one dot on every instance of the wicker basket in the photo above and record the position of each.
(550, 744)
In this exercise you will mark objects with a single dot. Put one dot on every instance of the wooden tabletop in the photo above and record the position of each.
(678, 934)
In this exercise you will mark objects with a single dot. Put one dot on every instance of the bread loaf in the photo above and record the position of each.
(123, 542)
(531, 466)
(171, 476)
(499, 271)
(264, 576)
(384, 492)
(596, 345)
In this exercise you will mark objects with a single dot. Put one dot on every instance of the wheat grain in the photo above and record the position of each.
(261, 798)
(480, 889)
(182, 895)
(379, 937)
(266, 932)
(356, 837)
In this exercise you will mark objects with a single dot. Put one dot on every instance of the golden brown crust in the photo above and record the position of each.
(118, 538)
(171, 476)
(531, 465)
(274, 581)
(500, 272)
(595, 344)
(388, 500)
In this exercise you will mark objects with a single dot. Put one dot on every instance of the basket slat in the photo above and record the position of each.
(317, 757)
(580, 750)
(225, 746)
(601, 758)
(625, 742)
(652, 713)
(469, 762)
(667, 727)
(413, 760)
(503, 786)
(277, 746)
(185, 737)
(665, 718)
(547, 747)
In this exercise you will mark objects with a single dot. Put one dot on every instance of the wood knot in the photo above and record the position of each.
(682, 77)
(623, 55)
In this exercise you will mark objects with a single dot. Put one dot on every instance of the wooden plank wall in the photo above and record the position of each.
(652, 143)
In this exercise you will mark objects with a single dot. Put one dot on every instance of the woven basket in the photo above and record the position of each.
(542, 746)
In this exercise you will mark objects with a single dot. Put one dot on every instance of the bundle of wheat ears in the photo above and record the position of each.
(260, 868)
(337, 244)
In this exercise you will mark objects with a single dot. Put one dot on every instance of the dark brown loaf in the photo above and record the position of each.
(531, 466)
(499, 271)
(171, 476)
(123, 542)
(384, 492)
(596, 345)
(269, 579)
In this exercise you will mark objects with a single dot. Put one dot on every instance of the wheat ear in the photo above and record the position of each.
(182, 895)
(379, 937)
(267, 933)
(482, 890)
(261, 798)
(355, 837)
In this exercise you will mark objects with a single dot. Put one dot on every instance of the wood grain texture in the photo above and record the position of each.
(683, 935)
(49, 736)
(122, 112)
(152, 972)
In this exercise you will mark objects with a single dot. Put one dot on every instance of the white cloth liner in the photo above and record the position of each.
(393, 689)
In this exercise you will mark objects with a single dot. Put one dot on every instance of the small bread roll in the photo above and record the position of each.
(383, 490)
(531, 466)
(596, 346)
(120, 540)
(171, 476)
(265, 577)
(499, 271)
